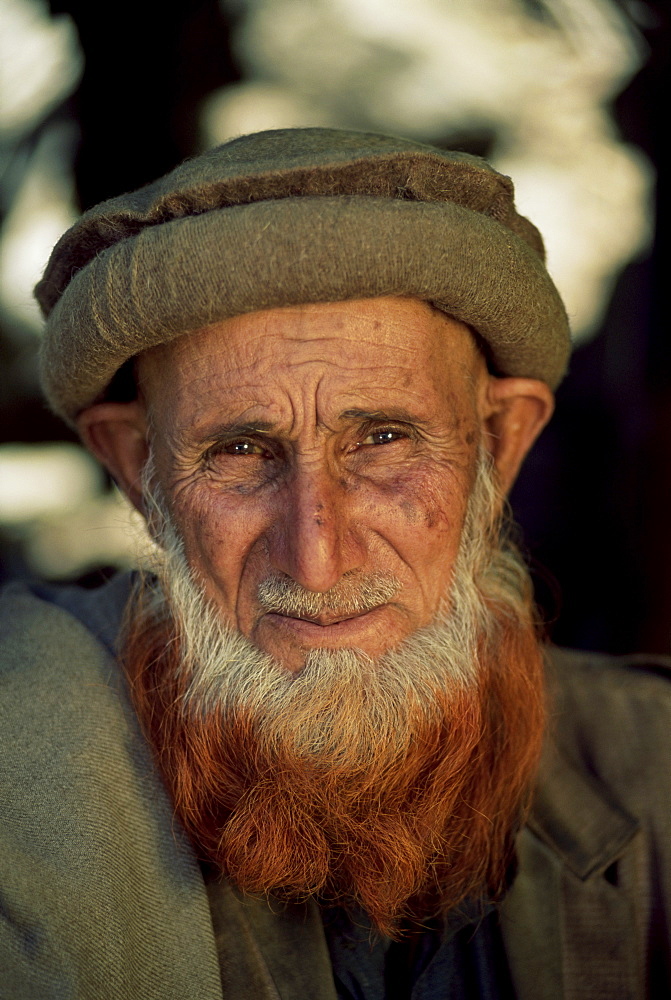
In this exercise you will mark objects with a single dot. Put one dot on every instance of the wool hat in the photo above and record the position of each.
(294, 216)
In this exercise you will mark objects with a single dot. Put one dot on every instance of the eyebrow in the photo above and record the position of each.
(393, 413)
(242, 427)
(239, 427)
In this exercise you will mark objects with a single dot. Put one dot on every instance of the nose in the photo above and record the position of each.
(314, 538)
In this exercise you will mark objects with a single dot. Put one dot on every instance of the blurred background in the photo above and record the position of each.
(564, 95)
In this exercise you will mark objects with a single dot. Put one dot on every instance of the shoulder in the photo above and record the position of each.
(604, 689)
(63, 694)
(27, 619)
(590, 666)
(61, 689)
(42, 625)
(99, 885)
(46, 653)
(611, 716)
(593, 892)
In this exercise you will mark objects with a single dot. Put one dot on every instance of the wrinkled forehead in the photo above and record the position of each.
(385, 352)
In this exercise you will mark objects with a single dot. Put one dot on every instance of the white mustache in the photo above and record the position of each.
(355, 594)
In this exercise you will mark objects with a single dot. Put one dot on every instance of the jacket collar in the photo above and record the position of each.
(574, 817)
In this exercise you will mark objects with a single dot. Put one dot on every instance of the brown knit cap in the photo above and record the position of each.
(291, 216)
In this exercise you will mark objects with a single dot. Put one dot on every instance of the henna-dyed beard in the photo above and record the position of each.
(395, 785)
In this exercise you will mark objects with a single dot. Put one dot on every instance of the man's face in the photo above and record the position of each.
(329, 445)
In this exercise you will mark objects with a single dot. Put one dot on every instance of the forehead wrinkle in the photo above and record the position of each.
(218, 381)
(276, 406)
(272, 408)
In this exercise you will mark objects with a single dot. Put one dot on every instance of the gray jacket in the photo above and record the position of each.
(101, 896)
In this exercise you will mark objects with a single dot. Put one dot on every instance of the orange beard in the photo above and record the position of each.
(405, 829)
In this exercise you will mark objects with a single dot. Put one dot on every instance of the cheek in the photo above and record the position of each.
(218, 533)
(423, 518)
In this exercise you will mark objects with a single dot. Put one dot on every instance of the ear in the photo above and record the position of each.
(116, 433)
(515, 412)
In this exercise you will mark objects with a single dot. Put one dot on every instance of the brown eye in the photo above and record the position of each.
(245, 448)
(387, 436)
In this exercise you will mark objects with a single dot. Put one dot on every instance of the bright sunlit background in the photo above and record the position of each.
(557, 93)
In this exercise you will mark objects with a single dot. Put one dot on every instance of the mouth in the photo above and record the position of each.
(326, 627)
(325, 619)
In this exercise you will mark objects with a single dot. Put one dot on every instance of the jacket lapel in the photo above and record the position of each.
(567, 925)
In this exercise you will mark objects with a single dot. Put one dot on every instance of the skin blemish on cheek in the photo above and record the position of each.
(425, 511)
(351, 485)
(412, 514)
(430, 517)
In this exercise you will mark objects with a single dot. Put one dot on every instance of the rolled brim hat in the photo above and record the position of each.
(296, 216)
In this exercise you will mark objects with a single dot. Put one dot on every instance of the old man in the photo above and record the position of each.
(319, 751)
